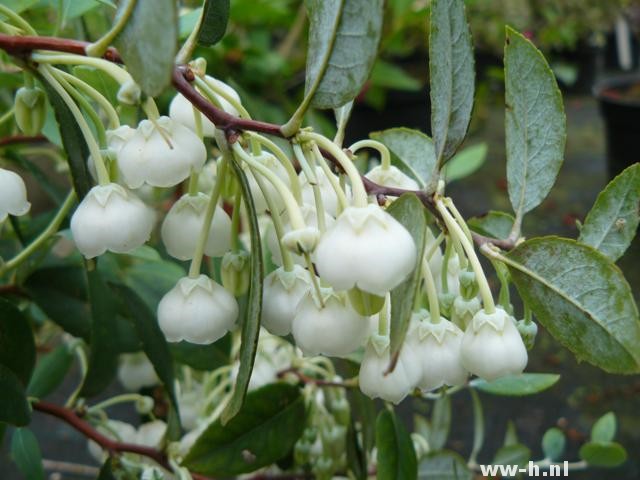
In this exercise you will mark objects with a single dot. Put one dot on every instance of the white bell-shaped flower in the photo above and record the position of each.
(492, 346)
(333, 329)
(13, 195)
(197, 310)
(366, 248)
(184, 221)
(310, 215)
(150, 434)
(181, 109)
(328, 194)
(118, 138)
(464, 310)
(115, 430)
(282, 292)
(272, 163)
(396, 385)
(161, 153)
(437, 345)
(136, 372)
(110, 218)
(392, 177)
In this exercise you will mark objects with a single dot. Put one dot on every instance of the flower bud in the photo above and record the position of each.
(468, 285)
(365, 303)
(464, 310)
(197, 310)
(136, 372)
(110, 218)
(272, 163)
(13, 195)
(161, 153)
(328, 194)
(144, 405)
(366, 247)
(235, 271)
(492, 346)
(396, 385)
(528, 331)
(30, 110)
(129, 93)
(392, 177)
(453, 279)
(303, 240)
(332, 329)
(446, 301)
(333, 439)
(182, 226)
(282, 292)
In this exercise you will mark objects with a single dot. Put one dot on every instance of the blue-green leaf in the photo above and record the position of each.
(517, 385)
(25, 452)
(607, 455)
(440, 422)
(553, 443)
(605, 428)
(492, 224)
(50, 372)
(444, 465)
(465, 162)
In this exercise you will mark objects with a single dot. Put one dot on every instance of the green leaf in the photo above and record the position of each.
(511, 435)
(414, 151)
(440, 422)
(151, 279)
(105, 84)
(604, 429)
(14, 408)
(452, 76)
(553, 444)
(214, 22)
(343, 44)
(103, 355)
(153, 343)
(106, 471)
(512, 455)
(356, 454)
(251, 322)
(492, 224)
(19, 6)
(265, 430)
(388, 75)
(444, 465)
(409, 211)
(147, 44)
(465, 162)
(607, 455)
(72, 141)
(203, 357)
(613, 221)
(50, 372)
(517, 385)
(535, 124)
(581, 298)
(478, 425)
(396, 456)
(25, 452)
(17, 348)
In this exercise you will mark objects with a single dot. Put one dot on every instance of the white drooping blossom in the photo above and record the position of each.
(160, 153)
(13, 195)
(148, 434)
(393, 177)
(112, 218)
(464, 310)
(282, 293)
(183, 223)
(366, 248)
(181, 109)
(136, 372)
(332, 329)
(197, 310)
(492, 346)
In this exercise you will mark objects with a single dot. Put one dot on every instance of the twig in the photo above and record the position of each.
(16, 139)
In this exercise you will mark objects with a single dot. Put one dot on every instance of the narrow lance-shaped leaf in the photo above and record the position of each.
(517, 385)
(451, 71)
(444, 465)
(535, 124)
(214, 21)
(396, 455)
(26, 454)
(409, 211)
(148, 44)
(343, 43)
(251, 322)
(440, 422)
(582, 298)
(14, 408)
(613, 221)
(17, 348)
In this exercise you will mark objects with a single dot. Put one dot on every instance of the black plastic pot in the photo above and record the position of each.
(621, 114)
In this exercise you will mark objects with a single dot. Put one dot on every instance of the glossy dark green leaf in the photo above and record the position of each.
(607, 455)
(251, 321)
(535, 124)
(409, 211)
(613, 221)
(414, 153)
(553, 443)
(14, 408)
(604, 429)
(582, 299)
(512, 455)
(493, 224)
(517, 385)
(396, 455)
(147, 44)
(440, 422)
(214, 22)
(17, 348)
(452, 76)
(343, 44)
(26, 454)
(103, 354)
(73, 142)
(444, 465)
(202, 357)
(50, 372)
(264, 430)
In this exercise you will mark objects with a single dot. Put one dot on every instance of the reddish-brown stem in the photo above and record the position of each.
(16, 139)
(23, 45)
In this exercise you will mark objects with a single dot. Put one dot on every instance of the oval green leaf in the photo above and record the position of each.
(26, 454)
(465, 162)
(605, 428)
(607, 455)
(517, 385)
(50, 372)
(613, 221)
(493, 224)
(440, 422)
(581, 298)
(17, 348)
(214, 22)
(396, 455)
(444, 465)
(553, 443)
